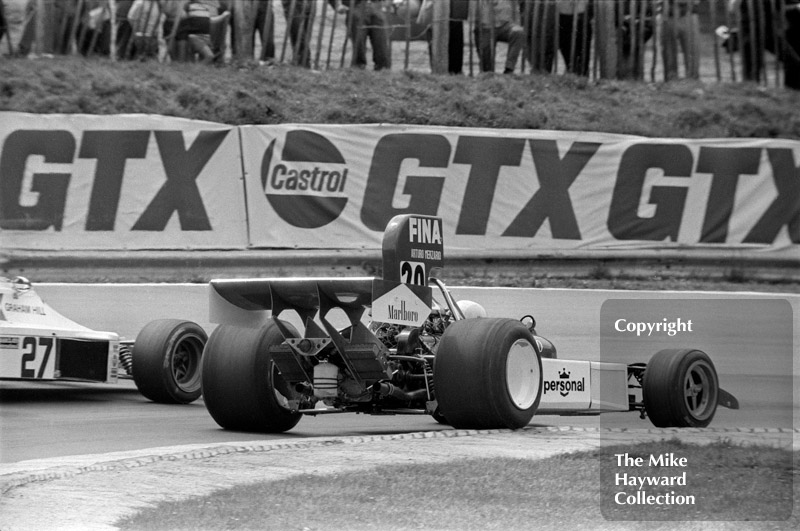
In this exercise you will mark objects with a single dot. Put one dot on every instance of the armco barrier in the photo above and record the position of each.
(84, 183)
(471, 268)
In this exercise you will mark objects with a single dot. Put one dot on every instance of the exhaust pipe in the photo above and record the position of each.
(388, 389)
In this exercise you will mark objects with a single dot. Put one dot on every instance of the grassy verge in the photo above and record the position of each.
(246, 93)
(746, 486)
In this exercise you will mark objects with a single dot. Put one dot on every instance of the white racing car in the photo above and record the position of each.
(38, 343)
(408, 347)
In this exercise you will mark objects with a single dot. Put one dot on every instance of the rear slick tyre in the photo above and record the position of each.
(242, 388)
(680, 389)
(488, 374)
(166, 361)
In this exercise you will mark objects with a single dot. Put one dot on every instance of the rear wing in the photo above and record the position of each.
(412, 252)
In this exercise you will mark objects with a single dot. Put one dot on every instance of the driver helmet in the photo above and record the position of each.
(471, 309)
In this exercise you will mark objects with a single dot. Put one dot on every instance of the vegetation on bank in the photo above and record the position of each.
(247, 93)
(735, 486)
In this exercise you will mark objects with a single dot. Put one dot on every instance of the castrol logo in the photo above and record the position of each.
(306, 184)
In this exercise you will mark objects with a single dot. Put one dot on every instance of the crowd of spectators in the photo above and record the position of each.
(617, 37)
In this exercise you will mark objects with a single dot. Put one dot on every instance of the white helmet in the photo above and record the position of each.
(471, 309)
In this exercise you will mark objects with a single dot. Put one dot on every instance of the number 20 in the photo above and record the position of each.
(29, 346)
(412, 273)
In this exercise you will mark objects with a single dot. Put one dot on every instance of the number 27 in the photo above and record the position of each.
(29, 347)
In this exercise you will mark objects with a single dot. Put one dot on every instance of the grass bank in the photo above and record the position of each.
(246, 93)
(740, 487)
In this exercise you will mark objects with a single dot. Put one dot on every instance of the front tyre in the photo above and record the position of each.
(488, 374)
(680, 389)
(166, 361)
(242, 388)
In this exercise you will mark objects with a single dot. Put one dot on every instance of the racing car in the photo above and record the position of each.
(38, 343)
(408, 347)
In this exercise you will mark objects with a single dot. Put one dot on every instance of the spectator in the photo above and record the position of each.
(459, 12)
(575, 34)
(218, 25)
(60, 40)
(757, 34)
(263, 27)
(25, 44)
(193, 34)
(572, 34)
(124, 30)
(540, 21)
(366, 19)
(218, 29)
(299, 19)
(172, 10)
(498, 21)
(65, 15)
(144, 17)
(635, 28)
(680, 25)
(94, 28)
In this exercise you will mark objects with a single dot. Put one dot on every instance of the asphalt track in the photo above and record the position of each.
(755, 358)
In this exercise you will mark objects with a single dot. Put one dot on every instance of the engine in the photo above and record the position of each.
(394, 372)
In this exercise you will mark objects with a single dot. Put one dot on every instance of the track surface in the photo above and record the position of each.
(60, 419)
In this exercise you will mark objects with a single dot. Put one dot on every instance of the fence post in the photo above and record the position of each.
(243, 22)
(112, 7)
(441, 34)
(11, 51)
(40, 25)
(606, 39)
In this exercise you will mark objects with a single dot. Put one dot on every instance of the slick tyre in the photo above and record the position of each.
(167, 358)
(242, 388)
(680, 389)
(488, 374)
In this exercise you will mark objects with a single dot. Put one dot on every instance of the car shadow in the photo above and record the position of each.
(22, 392)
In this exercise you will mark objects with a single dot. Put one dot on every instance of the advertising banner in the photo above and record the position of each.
(333, 186)
(81, 182)
(85, 182)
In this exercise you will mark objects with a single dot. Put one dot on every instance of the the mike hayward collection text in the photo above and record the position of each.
(640, 496)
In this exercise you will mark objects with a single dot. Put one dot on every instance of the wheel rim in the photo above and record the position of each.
(523, 375)
(186, 363)
(699, 390)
